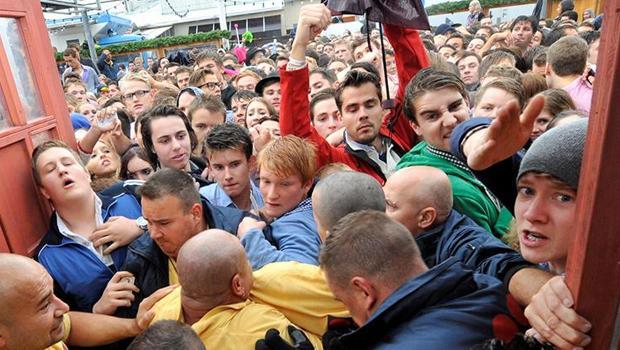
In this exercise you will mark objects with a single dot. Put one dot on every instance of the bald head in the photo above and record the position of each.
(16, 274)
(30, 315)
(411, 190)
(343, 193)
(208, 262)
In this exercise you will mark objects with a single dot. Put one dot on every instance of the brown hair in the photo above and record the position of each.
(211, 103)
(430, 79)
(568, 56)
(198, 75)
(533, 84)
(511, 86)
(556, 101)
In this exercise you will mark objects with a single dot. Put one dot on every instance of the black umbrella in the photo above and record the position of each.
(402, 13)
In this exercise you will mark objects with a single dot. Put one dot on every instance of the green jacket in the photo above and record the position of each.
(471, 197)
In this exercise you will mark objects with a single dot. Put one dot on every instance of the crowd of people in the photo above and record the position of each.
(394, 189)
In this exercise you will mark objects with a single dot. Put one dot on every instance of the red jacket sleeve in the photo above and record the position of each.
(295, 115)
(410, 57)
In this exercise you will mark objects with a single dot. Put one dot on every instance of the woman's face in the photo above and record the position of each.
(256, 111)
(88, 110)
(104, 162)
(139, 169)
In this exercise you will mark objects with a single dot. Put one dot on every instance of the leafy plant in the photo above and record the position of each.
(463, 5)
(158, 42)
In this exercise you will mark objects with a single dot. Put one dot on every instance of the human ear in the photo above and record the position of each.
(427, 217)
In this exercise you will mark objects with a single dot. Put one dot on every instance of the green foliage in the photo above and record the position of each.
(463, 5)
(158, 42)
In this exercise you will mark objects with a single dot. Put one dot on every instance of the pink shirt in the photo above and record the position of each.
(581, 93)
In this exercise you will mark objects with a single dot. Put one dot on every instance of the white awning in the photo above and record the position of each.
(154, 32)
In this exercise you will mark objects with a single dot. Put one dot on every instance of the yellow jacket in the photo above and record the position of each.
(235, 326)
(300, 292)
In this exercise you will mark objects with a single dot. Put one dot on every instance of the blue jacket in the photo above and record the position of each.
(446, 307)
(294, 238)
(79, 275)
(460, 237)
(217, 196)
(499, 178)
(146, 261)
(109, 70)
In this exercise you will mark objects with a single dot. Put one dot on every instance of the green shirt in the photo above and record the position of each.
(471, 197)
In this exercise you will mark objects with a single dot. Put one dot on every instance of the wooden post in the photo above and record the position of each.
(593, 268)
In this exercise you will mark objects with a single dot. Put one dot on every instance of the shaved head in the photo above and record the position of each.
(411, 192)
(30, 314)
(343, 193)
(209, 264)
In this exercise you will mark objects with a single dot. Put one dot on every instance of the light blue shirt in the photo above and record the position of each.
(217, 196)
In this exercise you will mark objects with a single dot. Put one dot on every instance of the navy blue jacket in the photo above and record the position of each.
(79, 275)
(499, 178)
(446, 307)
(460, 237)
(148, 263)
(109, 70)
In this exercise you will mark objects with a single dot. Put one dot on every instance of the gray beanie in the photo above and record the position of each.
(558, 152)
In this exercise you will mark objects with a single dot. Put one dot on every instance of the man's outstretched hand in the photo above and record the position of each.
(506, 135)
(313, 19)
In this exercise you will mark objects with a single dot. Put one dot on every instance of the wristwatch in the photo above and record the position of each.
(142, 224)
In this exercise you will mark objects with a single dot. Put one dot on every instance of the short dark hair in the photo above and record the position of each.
(356, 79)
(322, 95)
(367, 66)
(325, 73)
(70, 52)
(162, 111)
(532, 20)
(369, 244)
(573, 15)
(590, 36)
(567, 5)
(183, 69)
(171, 182)
(167, 334)
(228, 136)
(466, 54)
(430, 79)
(494, 58)
(241, 95)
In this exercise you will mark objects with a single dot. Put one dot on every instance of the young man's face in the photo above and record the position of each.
(342, 52)
(492, 100)
(37, 320)
(137, 97)
(210, 85)
(475, 45)
(77, 91)
(446, 52)
(362, 113)
(239, 107)
(522, 34)
(318, 83)
(328, 50)
(171, 142)
(281, 194)
(337, 66)
(247, 82)
(271, 93)
(456, 43)
(183, 80)
(544, 212)
(437, 114)
(72, 62)
(468, 69)
(170, 225)
(327, 117)
(231, 169)
(203, 120)
(62, 177)
(114, 91)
